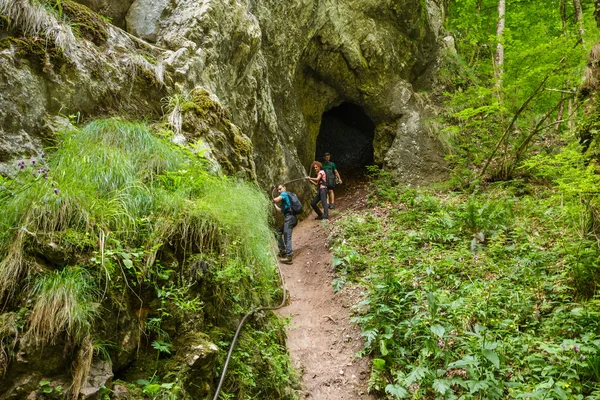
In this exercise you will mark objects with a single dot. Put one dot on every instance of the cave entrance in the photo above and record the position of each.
(347, 133)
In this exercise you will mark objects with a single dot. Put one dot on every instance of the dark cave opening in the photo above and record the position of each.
(347, 133)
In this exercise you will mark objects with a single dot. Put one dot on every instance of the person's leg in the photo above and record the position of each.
(280, 241)
(314, 203)
(331, 199)
(323, 193)
(288, 225)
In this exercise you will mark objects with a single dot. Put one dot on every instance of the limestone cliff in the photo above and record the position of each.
(276, 67)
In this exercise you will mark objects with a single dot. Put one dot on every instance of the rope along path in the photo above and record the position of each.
(243, 321)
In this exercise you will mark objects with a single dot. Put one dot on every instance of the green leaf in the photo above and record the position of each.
(479, 329)
(152, 388)
(128, 263)
(560, 392)
(378, 363)
(383, 349)
(337, 261)
(397, 391)
(492, 357)
(338, 283)
(441, 386)
(438, 330)
(476, 386)
(162, 346)
(467, 361)
(416, 375)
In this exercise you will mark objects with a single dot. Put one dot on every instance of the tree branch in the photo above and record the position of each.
(515, 117)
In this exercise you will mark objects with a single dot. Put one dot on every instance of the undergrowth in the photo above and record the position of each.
(485, 294)
(119, 221)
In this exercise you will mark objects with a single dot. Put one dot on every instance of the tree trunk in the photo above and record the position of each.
(499, 55)
(571, 110)
(563, 15)
(560, 113)
(579, 18)
(597, 12)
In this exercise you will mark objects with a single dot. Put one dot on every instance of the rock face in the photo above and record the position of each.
(275, 66)
(284, 64)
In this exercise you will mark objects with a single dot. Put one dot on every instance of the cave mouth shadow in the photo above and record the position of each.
(347, 133)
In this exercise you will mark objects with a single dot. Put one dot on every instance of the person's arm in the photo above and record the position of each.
(338, 176)
(314, 181)
(277, 200)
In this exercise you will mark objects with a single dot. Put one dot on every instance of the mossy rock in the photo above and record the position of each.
(38, 49)
(147, 78)
(126, 391)
(205, 107)
(92, 26)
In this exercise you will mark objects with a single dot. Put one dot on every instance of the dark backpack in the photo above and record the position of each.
(295, 204)
(329, 179)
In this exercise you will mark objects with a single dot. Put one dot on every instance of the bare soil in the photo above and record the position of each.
(321, 339)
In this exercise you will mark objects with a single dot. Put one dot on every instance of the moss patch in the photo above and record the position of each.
(203, 106)
(89, 24)
(205, 117)
(38, 49)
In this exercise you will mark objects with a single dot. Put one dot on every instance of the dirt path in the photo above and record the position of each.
(322, 341)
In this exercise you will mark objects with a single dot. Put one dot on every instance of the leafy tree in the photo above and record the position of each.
(491, 129)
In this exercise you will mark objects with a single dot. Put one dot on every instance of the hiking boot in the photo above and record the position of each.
(319, 217)
(286, 260)
(331, 206)
(281, 254)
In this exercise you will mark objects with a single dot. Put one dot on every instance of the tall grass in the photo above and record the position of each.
(63, 302)
(116, 178)
(34, 19)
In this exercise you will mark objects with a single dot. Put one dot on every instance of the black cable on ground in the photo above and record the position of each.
(243, 321)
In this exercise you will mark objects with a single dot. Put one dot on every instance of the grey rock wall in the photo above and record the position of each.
(276, 66)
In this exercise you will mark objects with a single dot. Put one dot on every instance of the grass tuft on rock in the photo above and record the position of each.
(119, 220)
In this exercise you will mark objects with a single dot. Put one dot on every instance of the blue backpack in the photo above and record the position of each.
(294, 203)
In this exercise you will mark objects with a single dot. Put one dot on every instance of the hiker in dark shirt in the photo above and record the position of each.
(284, 237)
(328, 165)
(321, 196)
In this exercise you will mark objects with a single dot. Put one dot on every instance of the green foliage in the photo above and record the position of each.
(63, 301)
(260, 368)
(152, 233)
(156, 390)
(53, 392)
(490, 294)
(539, 53)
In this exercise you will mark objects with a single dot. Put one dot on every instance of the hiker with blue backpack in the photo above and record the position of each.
(290, 207)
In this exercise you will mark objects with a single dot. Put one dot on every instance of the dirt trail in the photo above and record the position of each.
(322, 341)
